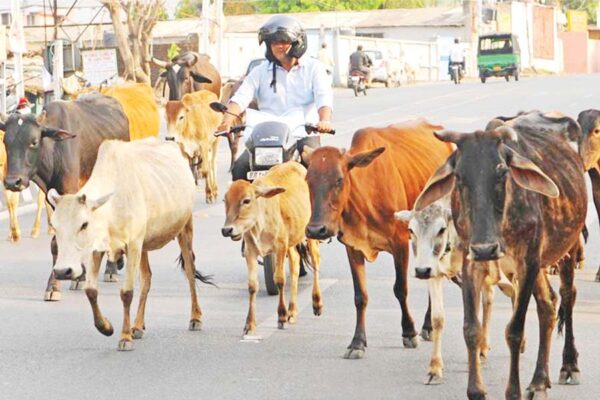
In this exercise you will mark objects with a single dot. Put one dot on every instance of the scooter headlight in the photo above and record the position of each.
(268, 155)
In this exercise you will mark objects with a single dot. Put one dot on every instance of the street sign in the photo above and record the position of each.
(99, 65)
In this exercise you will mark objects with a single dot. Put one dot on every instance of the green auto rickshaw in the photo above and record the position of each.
(498, 54)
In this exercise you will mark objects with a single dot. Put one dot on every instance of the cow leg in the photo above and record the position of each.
(294, 263)
(514, 329)
(41, 200)
(252, 264)
(212, 173)
(139, 326)
(282, 311)
(487, 300)
(546, 314)
(427, 328)
(91, 291)
(473, 276)
(186, 240)
(356, 349)
(409, 334)
(53, 286)
(569, 372)
(436, 298)
(315, 257)
(134, 256)
(12, 203)
(595, 179)
(49, 212)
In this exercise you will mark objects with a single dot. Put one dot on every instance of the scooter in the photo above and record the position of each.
(357, 81)
(270, 140)
(456, 72)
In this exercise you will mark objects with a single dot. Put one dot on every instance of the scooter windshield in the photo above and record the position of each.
(294, 118)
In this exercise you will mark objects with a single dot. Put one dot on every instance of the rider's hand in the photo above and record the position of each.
(325, 126)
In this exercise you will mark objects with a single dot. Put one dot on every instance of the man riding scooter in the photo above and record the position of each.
(361, 62)
(457, 57)
(287, 81)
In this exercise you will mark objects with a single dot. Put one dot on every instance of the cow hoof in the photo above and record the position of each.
(105, 328)
(539, 394)
(433, 379)
(108, 277)
(569, 378)
(35, 234)
(410, 342)
(76, 285)
(354, 354)
(291, 319)
(52, 295)
(14, 237)
(125, 345)
(137, 333)
(195, 325)
(426, 335)
(280, 325)
(318, 309)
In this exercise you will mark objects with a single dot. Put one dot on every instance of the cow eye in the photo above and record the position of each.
(83, 226)
(246, 201)
(339, 182)
(442, 231)
(596, 132)
(501, 171)
(410, 232)
(181, 117)
(33, 144)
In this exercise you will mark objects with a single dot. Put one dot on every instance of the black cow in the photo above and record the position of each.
(190, 72)
(37, 149)
(518, 193)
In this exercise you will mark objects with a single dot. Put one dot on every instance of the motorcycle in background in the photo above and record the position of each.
(357, 81)
(456, 72)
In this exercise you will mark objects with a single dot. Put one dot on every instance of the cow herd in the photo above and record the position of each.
(483, 209)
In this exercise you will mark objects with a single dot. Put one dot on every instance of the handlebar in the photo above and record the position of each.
(237, 129)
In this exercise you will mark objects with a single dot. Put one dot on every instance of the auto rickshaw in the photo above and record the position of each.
(498, 54)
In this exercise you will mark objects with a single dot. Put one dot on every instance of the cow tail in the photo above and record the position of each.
(560, 320)
(585, 233)
(304, 256)
(207, 279)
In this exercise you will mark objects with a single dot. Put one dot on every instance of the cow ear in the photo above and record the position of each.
(99, 202)
(439, 185)
(404, 215)
(307, 154)
(269, 191)
(365, 158)
(56, 134)
(2, 126)
(528, 176)
(187, 101)
(200, 78)
(53, 197)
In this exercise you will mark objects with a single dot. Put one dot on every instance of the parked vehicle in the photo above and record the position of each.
(273, 140)
(498, 54)
(357, 81)
(380, 70)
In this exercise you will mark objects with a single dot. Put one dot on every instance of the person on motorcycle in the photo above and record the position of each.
(359, 61)
(287, 80)
(457, 56)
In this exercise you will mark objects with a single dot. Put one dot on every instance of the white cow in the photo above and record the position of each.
(438, 255)
(138, 199)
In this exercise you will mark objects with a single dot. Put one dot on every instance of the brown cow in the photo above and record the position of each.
(192, 123)
(511, 201)
(271, 214)
(357, 204)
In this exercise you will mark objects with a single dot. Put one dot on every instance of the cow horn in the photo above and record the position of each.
(493, 124)
(188, 58)
(505, 132)
(160, 63)
(450, 136)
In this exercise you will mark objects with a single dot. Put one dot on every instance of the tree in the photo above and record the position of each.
(589, 6)
(188, 9)
(133, 39)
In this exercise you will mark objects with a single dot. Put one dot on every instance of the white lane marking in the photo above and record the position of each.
(268, 327)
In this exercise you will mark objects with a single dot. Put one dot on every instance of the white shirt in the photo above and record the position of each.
(457, 53)
(305, 86)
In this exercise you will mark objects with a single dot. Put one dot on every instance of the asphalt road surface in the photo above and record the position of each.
(52, 350)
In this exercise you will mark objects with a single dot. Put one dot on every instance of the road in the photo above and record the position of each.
(53, 351)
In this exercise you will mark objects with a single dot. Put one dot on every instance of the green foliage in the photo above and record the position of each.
(188, 9)
(277, 6)
(162, 14)
(173, 51)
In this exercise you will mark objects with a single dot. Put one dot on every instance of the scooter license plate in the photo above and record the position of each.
(252, 175)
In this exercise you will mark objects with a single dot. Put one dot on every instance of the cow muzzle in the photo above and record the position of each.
(318, 231)
(16, 183)
(423, 273)
(228, 231)
(486, 251)
(68, 273)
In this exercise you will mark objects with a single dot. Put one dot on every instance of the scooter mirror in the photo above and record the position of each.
(218, 107)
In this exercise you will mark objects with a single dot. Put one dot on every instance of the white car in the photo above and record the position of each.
(381, 70)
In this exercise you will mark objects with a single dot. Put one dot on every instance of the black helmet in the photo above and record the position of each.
(286, 29)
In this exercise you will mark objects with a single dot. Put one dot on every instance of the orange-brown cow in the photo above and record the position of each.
(357, 204)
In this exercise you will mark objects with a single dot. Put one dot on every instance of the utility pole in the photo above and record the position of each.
(17, 45)
(55, 16)
(220, 28)
(205, 26)
(471, 13)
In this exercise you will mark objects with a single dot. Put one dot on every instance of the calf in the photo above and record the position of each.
(192, 123)
(512, 201)
(270, 215)
(436, 246)
(356, 204)
(138, 199)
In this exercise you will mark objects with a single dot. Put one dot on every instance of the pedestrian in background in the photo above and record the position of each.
(327, 60)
